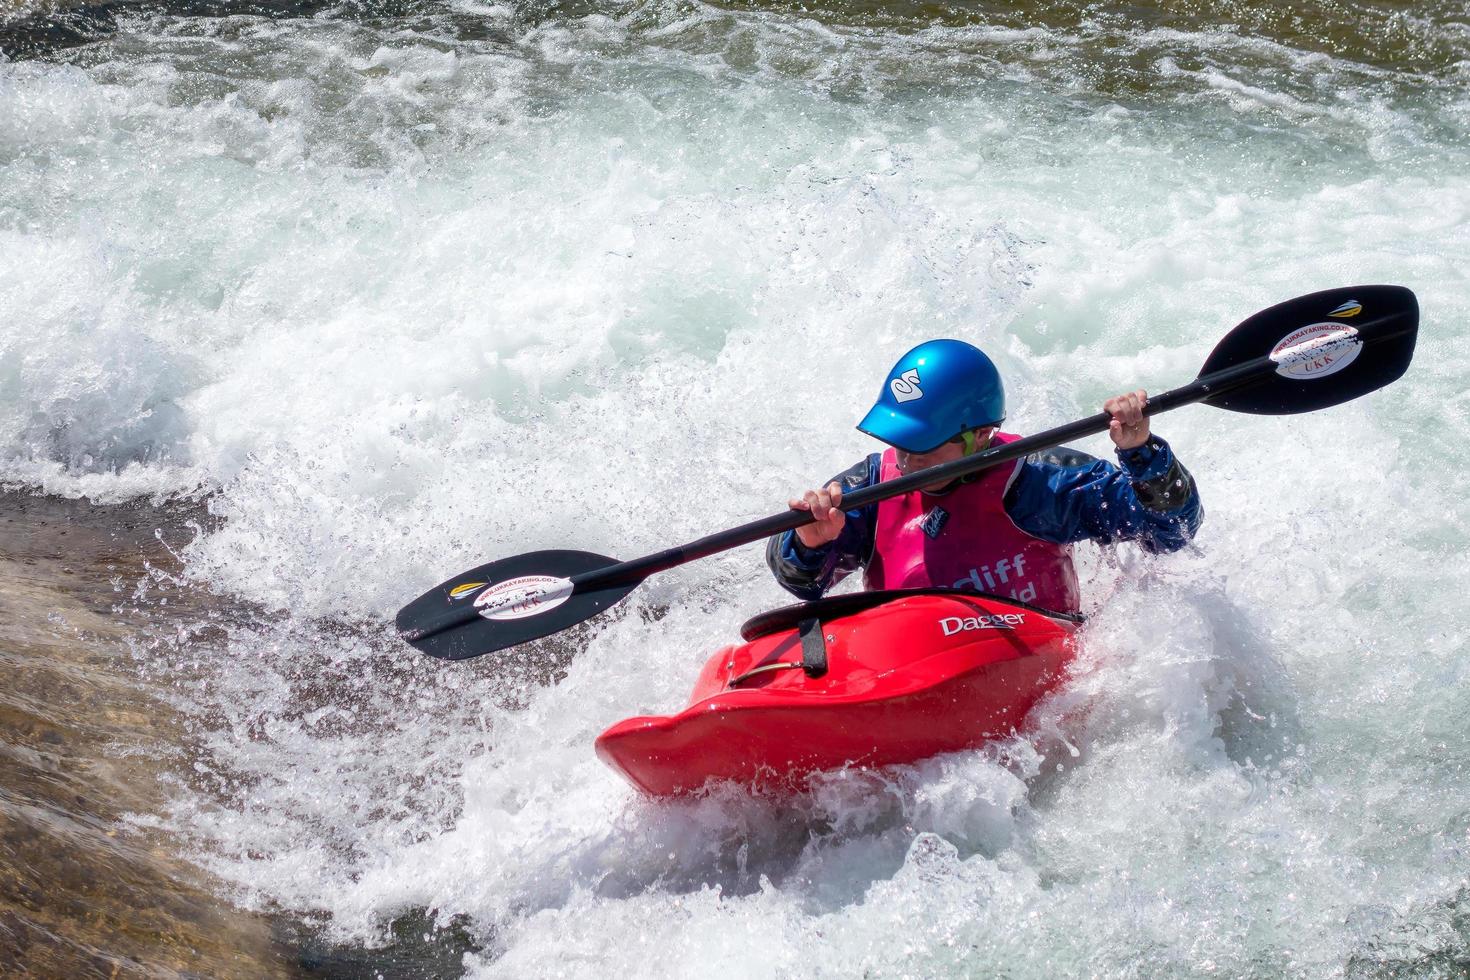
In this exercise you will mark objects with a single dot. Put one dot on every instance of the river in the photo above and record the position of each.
(344, 298)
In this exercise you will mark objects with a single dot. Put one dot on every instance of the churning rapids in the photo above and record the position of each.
(347, 297)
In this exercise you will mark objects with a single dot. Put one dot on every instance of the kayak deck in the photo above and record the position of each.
(869, 679)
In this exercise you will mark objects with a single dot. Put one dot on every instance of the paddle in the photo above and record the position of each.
(1307, 353)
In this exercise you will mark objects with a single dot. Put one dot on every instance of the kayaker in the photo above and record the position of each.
(1007, 530)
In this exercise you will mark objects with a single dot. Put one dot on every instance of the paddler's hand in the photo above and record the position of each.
(1129, 428)
(826, 506)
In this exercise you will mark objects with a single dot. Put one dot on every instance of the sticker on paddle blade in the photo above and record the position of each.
(1316, 351)
(528, 595)
(461, 592)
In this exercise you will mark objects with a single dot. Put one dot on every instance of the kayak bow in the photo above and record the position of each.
(869, 679)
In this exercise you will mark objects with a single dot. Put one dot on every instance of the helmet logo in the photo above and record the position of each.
(905, 387)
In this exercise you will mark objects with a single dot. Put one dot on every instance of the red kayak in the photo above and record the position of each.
(868, 679)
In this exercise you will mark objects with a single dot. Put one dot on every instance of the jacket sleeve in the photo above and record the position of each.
(809, 572)
(1067, 496)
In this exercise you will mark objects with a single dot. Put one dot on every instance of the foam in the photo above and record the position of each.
(405, 300)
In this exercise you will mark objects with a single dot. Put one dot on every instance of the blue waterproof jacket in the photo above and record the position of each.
(1061, 495)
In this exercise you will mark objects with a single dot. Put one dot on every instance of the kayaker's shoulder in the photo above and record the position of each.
(863, 473)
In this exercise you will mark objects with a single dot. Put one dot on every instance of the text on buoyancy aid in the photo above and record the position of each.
(982, 579)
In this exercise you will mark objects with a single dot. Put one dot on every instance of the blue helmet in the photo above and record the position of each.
(936, 391)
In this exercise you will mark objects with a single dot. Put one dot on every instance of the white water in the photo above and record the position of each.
(405, 301)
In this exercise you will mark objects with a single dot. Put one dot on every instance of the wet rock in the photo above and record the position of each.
(84, 742)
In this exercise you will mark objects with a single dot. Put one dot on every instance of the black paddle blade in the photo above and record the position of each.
(504, 603)
(1329, 347)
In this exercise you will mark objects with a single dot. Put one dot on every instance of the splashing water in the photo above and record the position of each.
(401, 290)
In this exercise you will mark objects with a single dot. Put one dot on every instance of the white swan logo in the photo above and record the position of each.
(905, 387)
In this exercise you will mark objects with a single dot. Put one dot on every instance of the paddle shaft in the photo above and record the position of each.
(638, 569)
(1297, 356)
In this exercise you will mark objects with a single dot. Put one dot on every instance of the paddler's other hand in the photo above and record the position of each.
(826, 506)
(1129, 427)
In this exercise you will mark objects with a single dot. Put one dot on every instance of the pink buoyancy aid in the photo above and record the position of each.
(965, 539)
